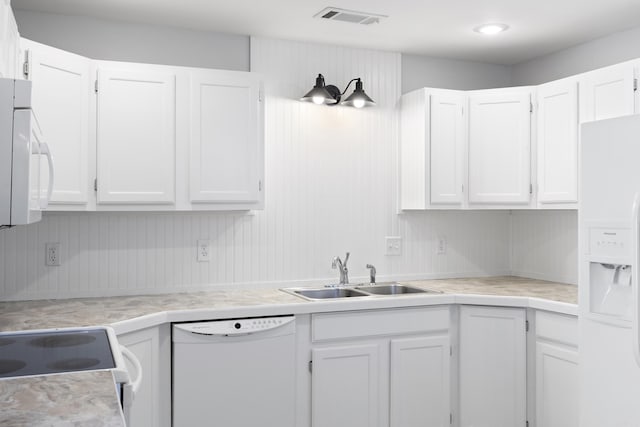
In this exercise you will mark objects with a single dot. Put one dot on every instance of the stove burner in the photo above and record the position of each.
(6, 341)
(57, 341)
(73, 364)
(10, 365)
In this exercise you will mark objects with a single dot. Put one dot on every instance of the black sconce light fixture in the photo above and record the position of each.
(331, 95)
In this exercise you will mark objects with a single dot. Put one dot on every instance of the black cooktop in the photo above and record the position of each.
(53, 352)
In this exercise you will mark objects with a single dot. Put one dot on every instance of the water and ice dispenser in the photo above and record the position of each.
(610, 270)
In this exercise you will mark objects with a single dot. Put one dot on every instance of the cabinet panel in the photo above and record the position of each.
(558, 142)
(136, 135)
(152, 403)
(492, 367)
(607, 93)
(447, 147)
(420, 382)
(499, 147)
(9, 42)
(226, 137)
(557, 386)
(414, 150)
(61, 88)
(345, 386)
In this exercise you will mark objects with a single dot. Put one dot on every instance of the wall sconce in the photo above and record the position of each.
(331, 95)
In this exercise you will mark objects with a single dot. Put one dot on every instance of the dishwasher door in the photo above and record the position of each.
(234, 373)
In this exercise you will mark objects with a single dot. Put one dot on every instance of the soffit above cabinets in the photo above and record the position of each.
(429, 27)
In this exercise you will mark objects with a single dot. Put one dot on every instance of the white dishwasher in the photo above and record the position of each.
(234, 373)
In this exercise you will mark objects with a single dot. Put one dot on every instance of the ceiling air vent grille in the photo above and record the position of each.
(351, 16)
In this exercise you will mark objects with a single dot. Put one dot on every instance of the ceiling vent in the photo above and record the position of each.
(351, 16)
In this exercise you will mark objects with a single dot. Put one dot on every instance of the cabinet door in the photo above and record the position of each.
(607, 93)
(492, 367)
(558, 142)
(61, 91)
(9, 46)
(420, 382)
(152, 403)
(345, 386)
(136, 135)
(226, 137)
(447, 148)
(557, 387)
(499, 147)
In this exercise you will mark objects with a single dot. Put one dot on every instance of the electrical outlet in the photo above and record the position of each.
(52, 254)
(203, 251)
(393, 245)
(442, 246)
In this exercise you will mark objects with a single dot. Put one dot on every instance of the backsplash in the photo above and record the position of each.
(331, 187)
(544, 245)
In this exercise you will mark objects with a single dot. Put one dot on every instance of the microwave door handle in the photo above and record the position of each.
(44, 150)
(635, 237)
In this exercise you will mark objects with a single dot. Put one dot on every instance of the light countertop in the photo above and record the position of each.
(62, 399)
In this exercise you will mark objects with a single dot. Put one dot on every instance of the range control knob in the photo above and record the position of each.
(237, 325)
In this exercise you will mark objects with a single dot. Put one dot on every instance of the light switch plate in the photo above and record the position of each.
(393, 245)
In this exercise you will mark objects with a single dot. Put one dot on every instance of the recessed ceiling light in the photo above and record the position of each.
(491, 29)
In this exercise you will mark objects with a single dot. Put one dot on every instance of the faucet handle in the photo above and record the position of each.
(372, 273)
(346, 258)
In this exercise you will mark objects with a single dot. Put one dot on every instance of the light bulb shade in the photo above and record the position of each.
(358, 98)
(322, 94)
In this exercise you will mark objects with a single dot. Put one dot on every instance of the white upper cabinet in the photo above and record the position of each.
(136, 136)
(607, 92)
(447, 147)
(61, 101)
(226, 147)
(499, 146)
(557, 142)
(432, 139)
(9, 42)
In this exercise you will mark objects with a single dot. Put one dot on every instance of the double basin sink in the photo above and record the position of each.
(362, 290)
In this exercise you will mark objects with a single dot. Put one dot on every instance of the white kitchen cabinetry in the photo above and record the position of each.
(557, 382)
(607, 92)
(136, 134)
(61, 101)
(433, 132)
(381, 368)
(152, 403)
(492, 367)
(500, 147)
(557, 143)
(9, 42)
(226, 149)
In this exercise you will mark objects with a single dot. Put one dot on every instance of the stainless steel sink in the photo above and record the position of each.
(325, 293)
(393, 289)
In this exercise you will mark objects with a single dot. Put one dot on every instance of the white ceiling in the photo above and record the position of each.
(428, 27)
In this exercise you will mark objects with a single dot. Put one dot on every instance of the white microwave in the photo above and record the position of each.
(22, 181)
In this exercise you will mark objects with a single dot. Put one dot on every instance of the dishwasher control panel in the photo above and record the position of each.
(236, 326)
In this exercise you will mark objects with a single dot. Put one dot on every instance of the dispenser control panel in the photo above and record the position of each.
(609, 242)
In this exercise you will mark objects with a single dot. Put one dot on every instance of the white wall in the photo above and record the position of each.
(608, 50)
(331, 187)
(544, 245)
(424, 71)
(120, 41)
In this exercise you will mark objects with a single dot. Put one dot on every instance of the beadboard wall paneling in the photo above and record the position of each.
(544, 245)
(331, 186)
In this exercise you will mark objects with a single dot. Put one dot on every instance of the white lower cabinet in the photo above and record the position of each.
(381, 368)
(493, 388)
(152, 403)
(556, 383)
(420, 381)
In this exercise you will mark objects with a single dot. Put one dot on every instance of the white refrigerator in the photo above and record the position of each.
(608, 273)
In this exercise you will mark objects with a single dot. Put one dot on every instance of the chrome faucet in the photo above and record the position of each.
(342, 268)
(372, 273)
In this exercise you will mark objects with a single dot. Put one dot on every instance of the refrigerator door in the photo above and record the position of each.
(609, 205)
